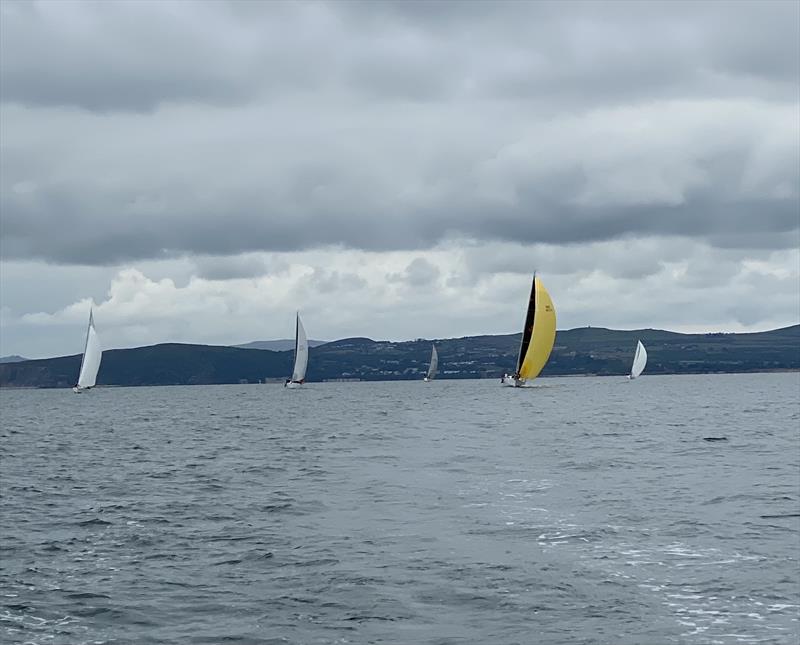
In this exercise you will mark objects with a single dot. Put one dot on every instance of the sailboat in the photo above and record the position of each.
(434, 365)
(639, 361)
(538, 337)
(90, 362)
(300, 356)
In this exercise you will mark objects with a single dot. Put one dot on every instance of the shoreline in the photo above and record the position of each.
(414, 380)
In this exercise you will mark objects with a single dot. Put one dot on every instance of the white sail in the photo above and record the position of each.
(434, 364)
(639, 360)
(300, 353)
(92, 353)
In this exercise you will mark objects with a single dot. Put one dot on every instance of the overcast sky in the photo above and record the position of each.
(395, 170)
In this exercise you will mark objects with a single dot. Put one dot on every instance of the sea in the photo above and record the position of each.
(578, 511)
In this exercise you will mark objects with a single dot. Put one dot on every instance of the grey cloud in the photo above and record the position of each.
(85, 225)
(747, 307)
(235, 267)
(421, 272)
(223, 128)
(623, 259)
(119, 55)
(325, 281)
(736, 225)
(418, 273)
(137, 56)
(611, 51)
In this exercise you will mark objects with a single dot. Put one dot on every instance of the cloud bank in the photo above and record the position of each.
(138, 131)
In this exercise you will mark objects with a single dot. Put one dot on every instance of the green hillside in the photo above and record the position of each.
(167, 364)
(582, 351)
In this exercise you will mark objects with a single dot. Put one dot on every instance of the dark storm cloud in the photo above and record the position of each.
(151, 130)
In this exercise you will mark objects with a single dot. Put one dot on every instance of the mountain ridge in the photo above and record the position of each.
(279, 345)
(578, 351)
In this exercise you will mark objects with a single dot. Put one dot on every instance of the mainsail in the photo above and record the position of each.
(92, 353)
(539, 333)
(300, 353)
(434, 363)
(639, 360)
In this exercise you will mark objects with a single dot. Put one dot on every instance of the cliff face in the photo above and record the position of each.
(586, 350)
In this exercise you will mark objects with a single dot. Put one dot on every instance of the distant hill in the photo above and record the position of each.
(12, 359)
(167, 364)
(582, 351)
(277, 345)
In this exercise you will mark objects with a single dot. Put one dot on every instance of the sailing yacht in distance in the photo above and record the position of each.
(434, 365)
(300, 356)
(90, 362)
(639, 361)
(538, 337)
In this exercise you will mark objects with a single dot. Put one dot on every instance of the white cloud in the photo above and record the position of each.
(452, 290)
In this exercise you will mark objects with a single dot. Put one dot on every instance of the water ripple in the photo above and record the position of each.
(452, 512)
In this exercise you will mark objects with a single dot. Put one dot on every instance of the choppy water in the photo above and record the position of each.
(586, 510)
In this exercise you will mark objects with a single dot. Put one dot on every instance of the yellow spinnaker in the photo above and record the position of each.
(544, 333)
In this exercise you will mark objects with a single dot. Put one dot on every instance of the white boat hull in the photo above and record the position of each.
(293, 385)
(426, 380)
(78, 389)
(510, 381)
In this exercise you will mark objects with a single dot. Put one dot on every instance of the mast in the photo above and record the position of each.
(296, 342)
(296, 333)
(527, 330)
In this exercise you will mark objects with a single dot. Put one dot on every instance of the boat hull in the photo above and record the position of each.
(293, 385)
(510, 381)
(78, 389)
